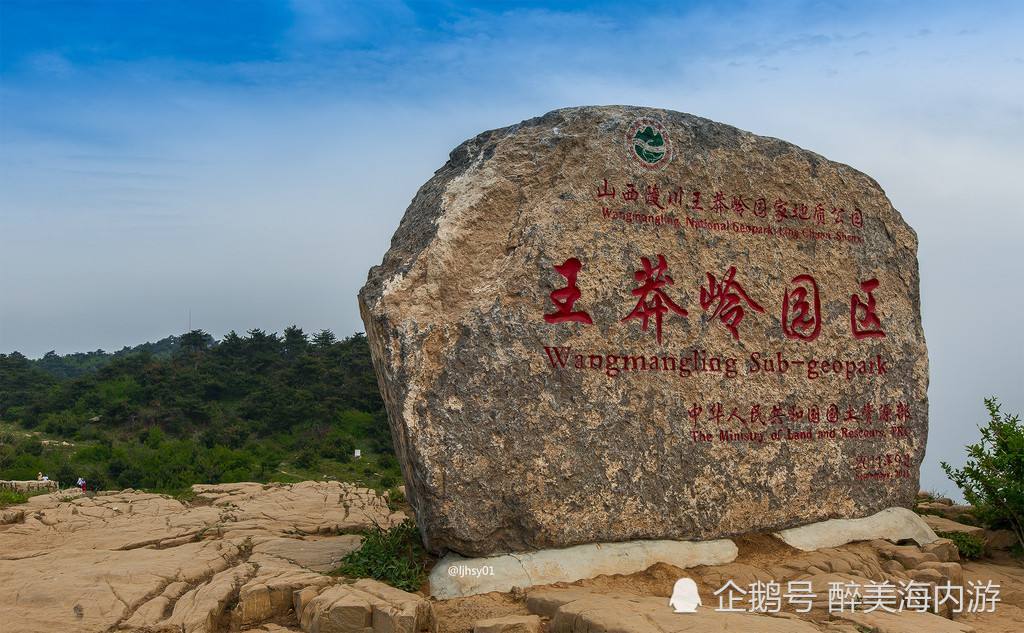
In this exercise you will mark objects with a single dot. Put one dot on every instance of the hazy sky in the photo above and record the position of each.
(249, 161)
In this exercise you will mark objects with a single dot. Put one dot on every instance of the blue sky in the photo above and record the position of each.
(249, 161)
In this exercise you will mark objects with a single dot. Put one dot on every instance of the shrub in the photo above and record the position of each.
(307, 457)
(65, 475)
(993, 478)
(30, 446)
(338, 446)
(10, 497)
(394, 556)
(396, 498)
(970, 546)
(95, 480)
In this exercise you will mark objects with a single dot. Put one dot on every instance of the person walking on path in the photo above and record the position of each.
(81, 484)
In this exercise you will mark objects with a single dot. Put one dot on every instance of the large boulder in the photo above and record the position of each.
(616, 323)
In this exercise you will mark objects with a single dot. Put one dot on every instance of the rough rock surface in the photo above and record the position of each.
(365, 605)
(509, 624)
(1000, 540)
(138, 561)
(647, 614)
(537, 407)
(941, 524)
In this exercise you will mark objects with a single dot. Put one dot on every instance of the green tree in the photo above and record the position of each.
(195, 341)
(324, 339)
(295, 341)
(64, 474)
(337, 445)
(307, 457)
(993, 478)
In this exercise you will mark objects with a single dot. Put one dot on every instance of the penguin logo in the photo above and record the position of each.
(685, 597)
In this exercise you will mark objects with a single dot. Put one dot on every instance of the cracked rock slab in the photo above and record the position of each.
(455, 576)
(131, 560)
(942, 524)
(365, 606)
(509, 624)
(321, 554)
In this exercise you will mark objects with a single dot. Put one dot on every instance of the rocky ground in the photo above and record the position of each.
(253, 557)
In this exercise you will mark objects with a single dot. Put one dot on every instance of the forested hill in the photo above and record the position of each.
(73, 365)
(190, 409)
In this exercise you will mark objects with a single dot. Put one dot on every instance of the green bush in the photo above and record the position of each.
(30, 446)
(65, 475)
(95, 479)
(993, 479)
(394, 556)
(971, 547)
(337, 445)
(307, 457)
(396, 498)
(10, 498)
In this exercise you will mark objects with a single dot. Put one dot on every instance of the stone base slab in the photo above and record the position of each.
(455, 576)
(891, 524)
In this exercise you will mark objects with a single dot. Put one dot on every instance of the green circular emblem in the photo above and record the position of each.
(648, 143)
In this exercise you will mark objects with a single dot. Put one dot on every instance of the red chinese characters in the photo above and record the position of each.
(864, 321)
(653, 197)
(565, 298)
(695, 204)
(739, 205)
(665, 196)
(653, 300)
(718, 204)
(729, 295)
(760, 207)
(780, 209)
(801, 309)
(855, 417)
(723, 299)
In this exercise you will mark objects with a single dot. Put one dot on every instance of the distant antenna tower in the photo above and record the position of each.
(189, 320)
